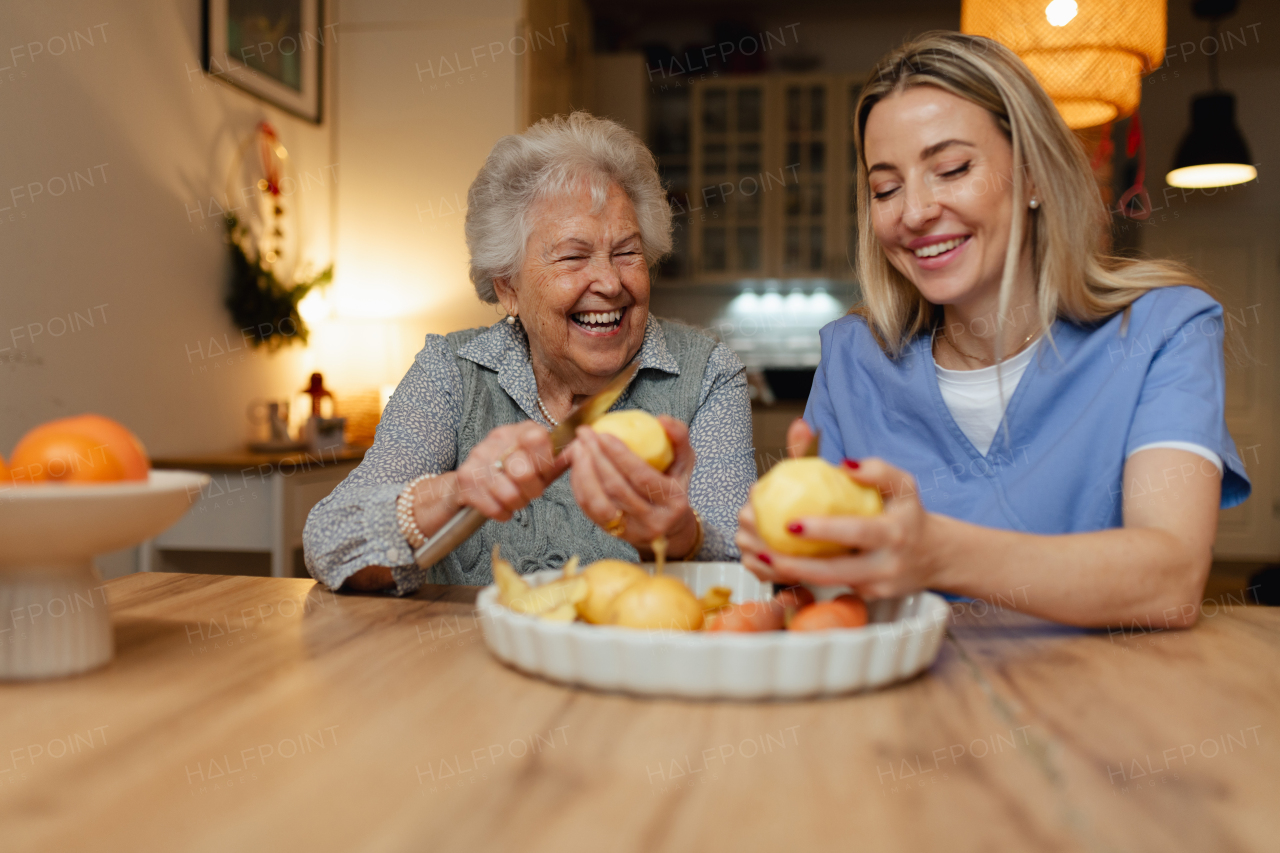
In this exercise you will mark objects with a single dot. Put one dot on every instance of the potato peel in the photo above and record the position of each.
(715, 598)
(563, 613)
(510, 585)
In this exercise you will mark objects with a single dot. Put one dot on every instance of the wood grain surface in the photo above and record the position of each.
(269, 714)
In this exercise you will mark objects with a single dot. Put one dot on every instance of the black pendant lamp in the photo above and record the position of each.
(1213, 153)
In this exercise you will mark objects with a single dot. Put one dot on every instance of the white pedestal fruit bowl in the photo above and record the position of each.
(54, 619)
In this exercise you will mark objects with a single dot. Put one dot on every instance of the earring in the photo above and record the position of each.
(1034, 203)
(511, 319)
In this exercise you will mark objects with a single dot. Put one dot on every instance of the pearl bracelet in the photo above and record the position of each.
(405, 521)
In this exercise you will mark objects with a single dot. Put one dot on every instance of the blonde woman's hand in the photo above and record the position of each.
(890, 554)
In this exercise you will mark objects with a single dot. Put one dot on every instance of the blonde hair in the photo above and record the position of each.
(1075, 276)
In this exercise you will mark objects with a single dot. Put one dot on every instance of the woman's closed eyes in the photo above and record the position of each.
(957, 172)
(582, 257)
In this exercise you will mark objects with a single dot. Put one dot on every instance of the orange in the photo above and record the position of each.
(748, 617)
(85, 448)
(846, 611)
(6, 478)
(794, 598)
(120, 441)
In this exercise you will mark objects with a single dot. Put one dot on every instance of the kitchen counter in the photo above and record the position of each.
(248, 713)
(248, 459)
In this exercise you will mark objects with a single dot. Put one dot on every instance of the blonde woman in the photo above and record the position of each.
(1044, 421)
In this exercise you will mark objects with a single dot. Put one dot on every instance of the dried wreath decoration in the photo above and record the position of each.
(259, 302)
(265, 286)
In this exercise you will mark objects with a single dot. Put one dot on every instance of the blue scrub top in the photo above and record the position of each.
(1086, 400)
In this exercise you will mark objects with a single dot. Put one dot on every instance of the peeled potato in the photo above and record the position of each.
(641, 433)
(657, 603)
(605, 580)
(795, 488)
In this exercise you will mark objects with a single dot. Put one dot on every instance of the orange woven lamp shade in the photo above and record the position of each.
(1089, 55)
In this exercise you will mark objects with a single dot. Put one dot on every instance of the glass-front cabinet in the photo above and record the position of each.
(852, 89)
(768, 186)
(728, 151)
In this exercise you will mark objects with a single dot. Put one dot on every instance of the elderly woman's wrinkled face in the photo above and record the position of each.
(583, 291)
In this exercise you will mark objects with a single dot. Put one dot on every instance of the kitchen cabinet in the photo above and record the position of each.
(770, 185)
(255, 502)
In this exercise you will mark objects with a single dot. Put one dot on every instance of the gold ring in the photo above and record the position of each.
(617, 527)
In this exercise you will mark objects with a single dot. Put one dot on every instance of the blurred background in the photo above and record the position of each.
(347, 133)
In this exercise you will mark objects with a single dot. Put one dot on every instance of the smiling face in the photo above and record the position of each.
(941, 178)
(582, 293)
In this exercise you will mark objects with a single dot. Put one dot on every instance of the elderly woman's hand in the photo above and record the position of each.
(510, 467)
(625, 495)
(889, 553)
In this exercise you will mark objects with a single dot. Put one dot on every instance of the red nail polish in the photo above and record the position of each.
(852, 464)
(766, 559)
(795, 527)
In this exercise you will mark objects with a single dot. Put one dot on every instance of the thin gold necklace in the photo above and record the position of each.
(979, 358)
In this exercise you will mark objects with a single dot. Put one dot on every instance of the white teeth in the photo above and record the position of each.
(598, 318)
(939, 248)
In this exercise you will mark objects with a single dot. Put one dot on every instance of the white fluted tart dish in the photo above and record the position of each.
(901, 640)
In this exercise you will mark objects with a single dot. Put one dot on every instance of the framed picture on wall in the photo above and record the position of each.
(272, 49)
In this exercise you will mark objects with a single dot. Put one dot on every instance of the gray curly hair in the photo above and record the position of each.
(549, 158)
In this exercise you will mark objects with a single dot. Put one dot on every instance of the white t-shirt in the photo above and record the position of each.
(973, 398)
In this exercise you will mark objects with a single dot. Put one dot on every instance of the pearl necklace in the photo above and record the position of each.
(545, 413)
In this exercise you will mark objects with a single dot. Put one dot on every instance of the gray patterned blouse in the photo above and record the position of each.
(355, 526)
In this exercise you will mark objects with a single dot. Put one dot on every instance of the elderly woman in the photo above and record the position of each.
(564, 223)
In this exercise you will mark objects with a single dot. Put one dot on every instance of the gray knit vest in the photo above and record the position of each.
(552, 528)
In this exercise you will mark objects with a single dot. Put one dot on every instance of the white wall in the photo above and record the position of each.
(423, 90)
(132, 250)
(140, 253)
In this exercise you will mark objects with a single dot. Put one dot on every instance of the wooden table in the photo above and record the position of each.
(268, 714)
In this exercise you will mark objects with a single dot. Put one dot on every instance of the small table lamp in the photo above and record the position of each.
(322, 433)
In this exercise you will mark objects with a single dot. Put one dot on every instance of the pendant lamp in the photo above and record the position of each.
(1213, 153)
(1089, 56)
